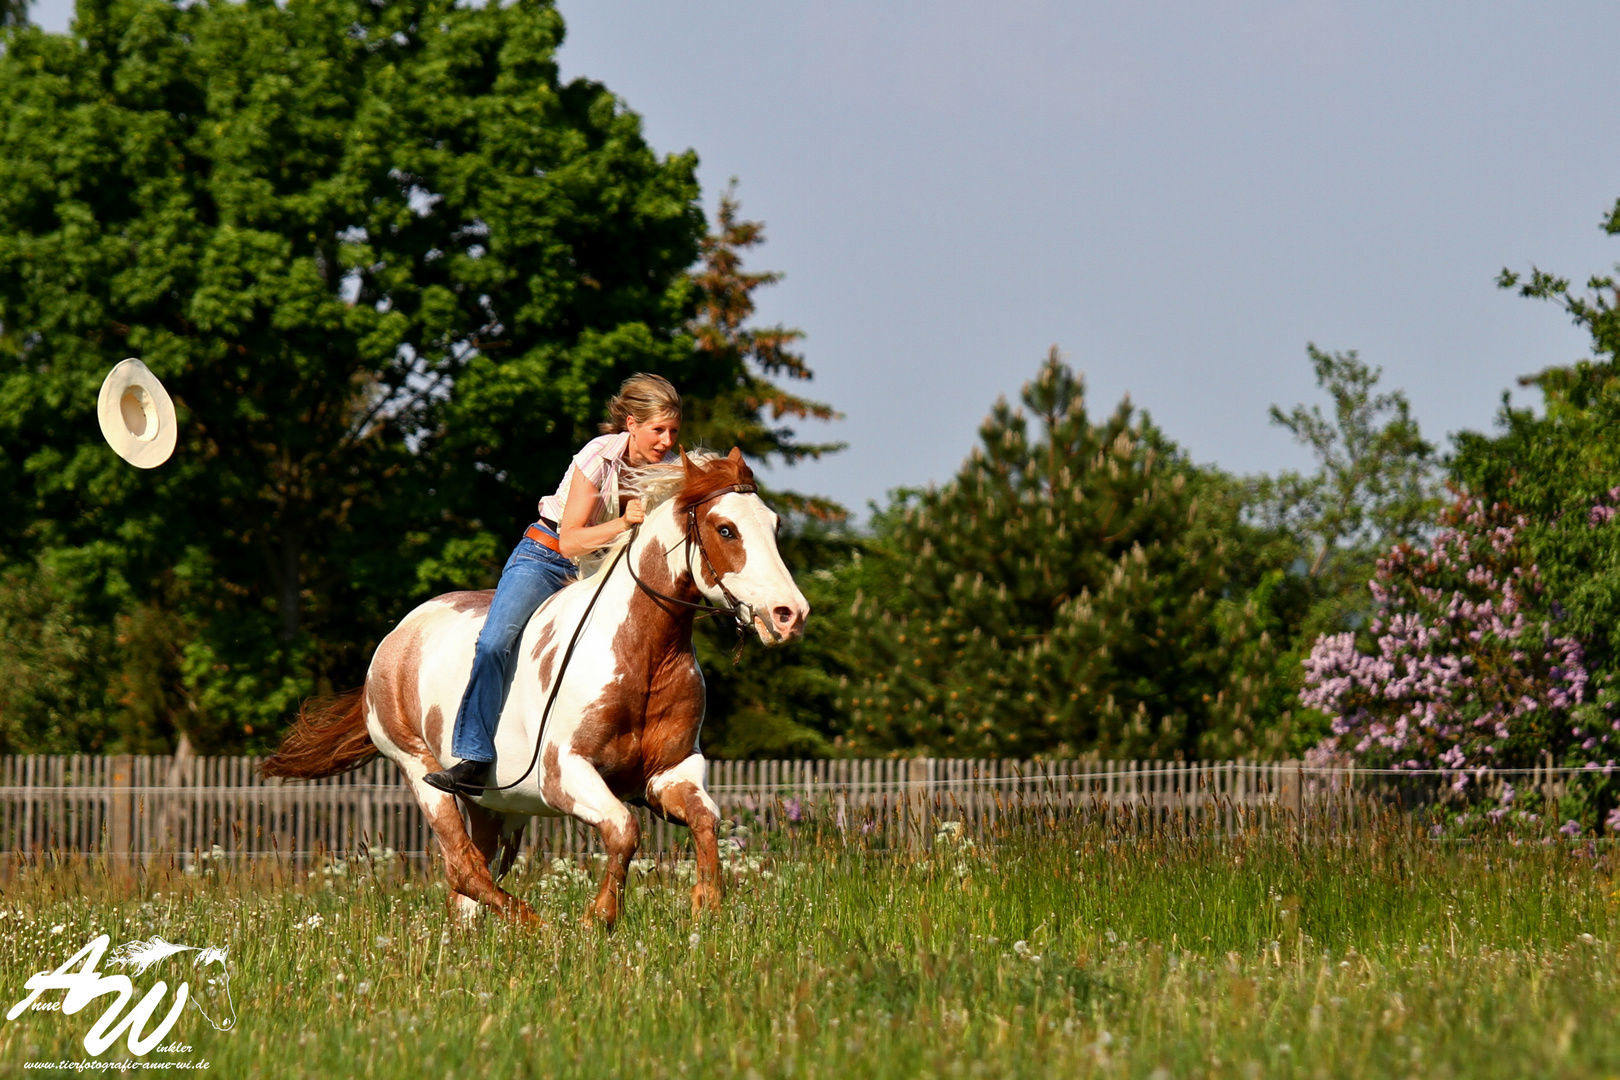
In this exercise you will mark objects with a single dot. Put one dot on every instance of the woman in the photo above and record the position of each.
(584, 514)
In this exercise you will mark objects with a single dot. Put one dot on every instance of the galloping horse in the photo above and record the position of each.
(606, 697)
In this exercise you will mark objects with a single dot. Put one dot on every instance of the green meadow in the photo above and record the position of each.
(1073, 950)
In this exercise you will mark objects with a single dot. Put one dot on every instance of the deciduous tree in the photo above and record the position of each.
(389, 265)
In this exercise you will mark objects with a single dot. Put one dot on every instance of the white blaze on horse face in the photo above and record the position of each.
(763, 582)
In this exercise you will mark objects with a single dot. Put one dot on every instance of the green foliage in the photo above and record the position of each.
(1375, 480)
(768, 702)
(1497, 642)
(1560, 469)
(388, 265)
(782, 702)
(1082, 590)
(1375, 486)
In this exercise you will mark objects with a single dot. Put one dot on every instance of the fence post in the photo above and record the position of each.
(121, 810)
(1292, 793)
(919, 802)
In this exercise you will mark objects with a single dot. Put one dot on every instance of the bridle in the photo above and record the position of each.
(733, 607)
(741, 613)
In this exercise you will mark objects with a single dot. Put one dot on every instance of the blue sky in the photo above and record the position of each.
(1180, 196)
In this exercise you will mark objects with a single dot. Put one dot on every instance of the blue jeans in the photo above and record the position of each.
(531, 575)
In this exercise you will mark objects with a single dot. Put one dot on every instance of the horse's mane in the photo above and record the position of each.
(667, 482)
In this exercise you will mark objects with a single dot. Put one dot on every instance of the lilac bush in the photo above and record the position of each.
(1466, 668)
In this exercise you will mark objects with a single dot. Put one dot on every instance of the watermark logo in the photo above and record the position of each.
(212, 998)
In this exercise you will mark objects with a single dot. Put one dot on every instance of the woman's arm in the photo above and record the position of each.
(573, 536)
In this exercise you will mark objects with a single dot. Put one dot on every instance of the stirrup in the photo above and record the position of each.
(462, 778)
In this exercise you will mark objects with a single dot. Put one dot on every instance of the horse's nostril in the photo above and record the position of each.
(784, 615)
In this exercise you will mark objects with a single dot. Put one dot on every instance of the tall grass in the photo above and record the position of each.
(1069, 950)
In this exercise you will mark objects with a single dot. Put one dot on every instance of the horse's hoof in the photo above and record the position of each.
(598, 918)
(525, 916)
(705, 898)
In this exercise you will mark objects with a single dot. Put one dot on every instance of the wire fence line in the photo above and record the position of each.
(126, 807)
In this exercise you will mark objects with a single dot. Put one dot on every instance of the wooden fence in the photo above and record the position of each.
(130, 807)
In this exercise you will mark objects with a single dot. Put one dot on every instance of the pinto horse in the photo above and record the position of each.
(609, 656)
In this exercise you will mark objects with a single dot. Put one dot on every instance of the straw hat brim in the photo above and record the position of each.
(137, 416)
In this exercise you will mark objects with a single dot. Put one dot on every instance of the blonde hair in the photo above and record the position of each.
(645, 397)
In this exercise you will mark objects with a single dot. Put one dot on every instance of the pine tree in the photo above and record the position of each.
(776, 703)
(735, 414)
(1065, 593)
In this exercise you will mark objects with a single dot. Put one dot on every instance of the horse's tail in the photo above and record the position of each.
(329, 737)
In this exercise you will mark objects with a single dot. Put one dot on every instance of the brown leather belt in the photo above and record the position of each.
(543, 538)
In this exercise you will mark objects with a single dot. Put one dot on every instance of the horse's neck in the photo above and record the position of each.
(662, 560)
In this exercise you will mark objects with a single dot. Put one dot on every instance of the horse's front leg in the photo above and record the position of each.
(679, 795)
(573, 786)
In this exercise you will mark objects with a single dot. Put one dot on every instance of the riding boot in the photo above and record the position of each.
(463, 778)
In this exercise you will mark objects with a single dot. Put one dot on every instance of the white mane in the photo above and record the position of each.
(654, 485)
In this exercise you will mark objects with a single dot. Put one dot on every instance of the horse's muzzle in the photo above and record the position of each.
(782, 623)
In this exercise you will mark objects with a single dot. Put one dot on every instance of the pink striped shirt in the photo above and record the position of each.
(600, 461)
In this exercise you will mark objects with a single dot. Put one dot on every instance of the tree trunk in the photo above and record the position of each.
(289, 582)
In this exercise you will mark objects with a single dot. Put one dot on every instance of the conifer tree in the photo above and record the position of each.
(777, 703)
(748, 408)
(1074, 589)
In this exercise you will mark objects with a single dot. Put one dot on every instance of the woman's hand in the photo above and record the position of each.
(634, 514)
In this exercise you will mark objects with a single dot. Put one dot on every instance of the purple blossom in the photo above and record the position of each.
(1462, 665)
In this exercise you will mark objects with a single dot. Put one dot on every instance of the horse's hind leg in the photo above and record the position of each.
(466, 868)
(678, 794)
(497, 837)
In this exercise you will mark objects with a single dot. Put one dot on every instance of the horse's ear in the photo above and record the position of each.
(692, 468)
(735, 455)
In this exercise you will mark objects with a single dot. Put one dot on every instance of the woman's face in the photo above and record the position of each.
(649, 442)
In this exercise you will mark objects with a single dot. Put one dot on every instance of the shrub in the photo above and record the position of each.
(1464, 666)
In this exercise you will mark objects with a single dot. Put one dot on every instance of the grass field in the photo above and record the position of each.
(1053, 952)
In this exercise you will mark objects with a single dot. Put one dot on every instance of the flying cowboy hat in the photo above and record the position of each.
(137, 417)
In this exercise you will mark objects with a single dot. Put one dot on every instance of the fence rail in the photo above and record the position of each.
(143, 807)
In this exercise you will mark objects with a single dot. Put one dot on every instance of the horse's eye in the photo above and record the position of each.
(726, 533)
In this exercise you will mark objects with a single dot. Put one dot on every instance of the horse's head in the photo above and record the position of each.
(736, 534)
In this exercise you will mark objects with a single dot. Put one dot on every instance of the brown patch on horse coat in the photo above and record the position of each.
(392, 689)
(704, 484)
(703, 481)
(547, 634)
(393, 692)
(551, 785)
(647, 718)
(724, 556)
(682, 803)
(476, 602)
(433, 725)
